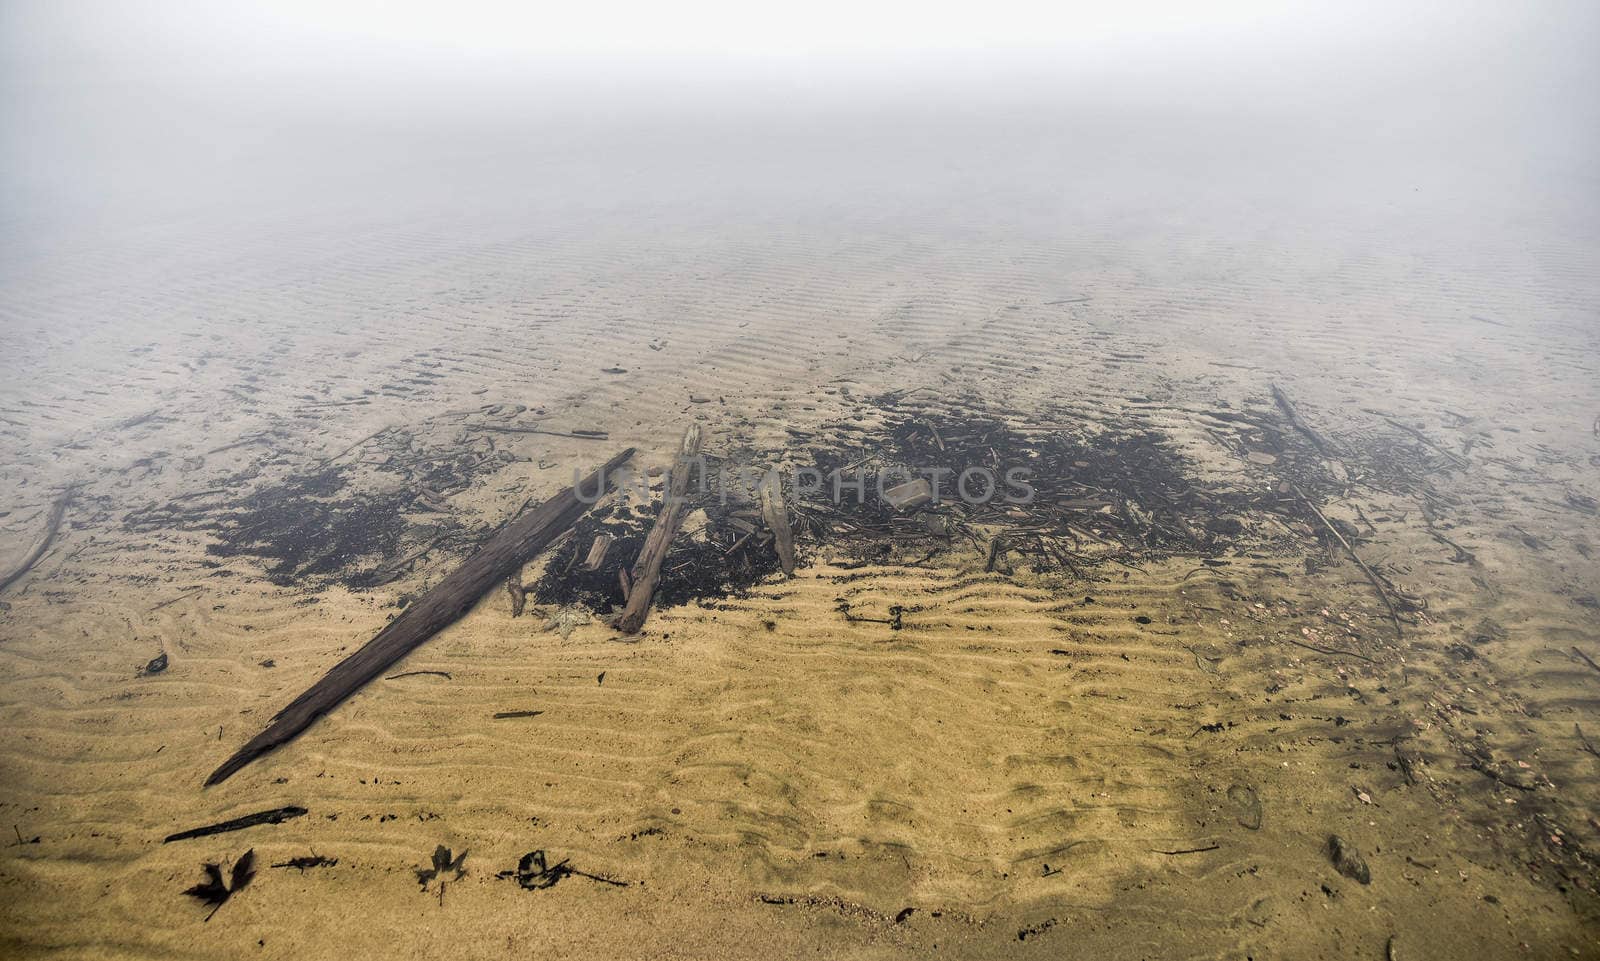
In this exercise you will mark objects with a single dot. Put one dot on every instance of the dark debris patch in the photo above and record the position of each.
(1065, 497)
(359, 524)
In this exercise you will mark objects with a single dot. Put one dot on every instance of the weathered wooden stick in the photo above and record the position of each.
(1453, 457)
(505, 552)
(597, 552)
(574, 434)
(58, 510)
(274, 816)
(776, 513)
(647, 569)
(1377, 584)
(1298, 423)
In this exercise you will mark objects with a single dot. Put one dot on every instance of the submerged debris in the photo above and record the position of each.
(356, 521)
(215, 892)
(566, 620)
(443, 861)
(274, 816)
(156, 666)
(305, 861)
(1347, 860)
(534, 873)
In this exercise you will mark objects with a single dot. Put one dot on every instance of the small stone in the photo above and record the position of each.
(1347, 860)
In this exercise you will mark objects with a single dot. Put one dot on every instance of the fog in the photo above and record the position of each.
(128, 113)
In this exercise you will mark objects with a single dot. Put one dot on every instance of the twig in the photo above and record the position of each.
(1329, 650)
(575, 434)
(1586, 659)
(1373, 578)
(1317, 440)
(1586, 745)
(1209, 847)
(173, 600)
(396, 677)
(997, 544)
(372, 436)
(52, 524)
(258, 439)
(1455, 458)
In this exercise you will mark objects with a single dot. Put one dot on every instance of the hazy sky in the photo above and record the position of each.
(404, 42)
(109, 102)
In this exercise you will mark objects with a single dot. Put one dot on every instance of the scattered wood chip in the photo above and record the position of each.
(909, 495)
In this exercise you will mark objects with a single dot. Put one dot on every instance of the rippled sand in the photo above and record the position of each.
(1016, 772)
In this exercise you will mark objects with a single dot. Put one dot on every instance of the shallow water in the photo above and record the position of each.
(1145, 757)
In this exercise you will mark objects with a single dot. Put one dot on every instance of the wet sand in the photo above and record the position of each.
(1014, 773)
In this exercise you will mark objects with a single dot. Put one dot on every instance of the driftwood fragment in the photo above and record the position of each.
(1451, 456)
(513, 544)
(1322, 444)
(274, 816)
(776, 513)
(911, 494)
(304, 861)
(519, 594)
(1584, 740)
(597, 552)
(574, 434)
(52, 524)
(997, 547)
(647, 569)
(1377, 583)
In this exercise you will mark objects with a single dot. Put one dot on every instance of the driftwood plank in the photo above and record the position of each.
(776, 513)
(513, 544)
(647, 569)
